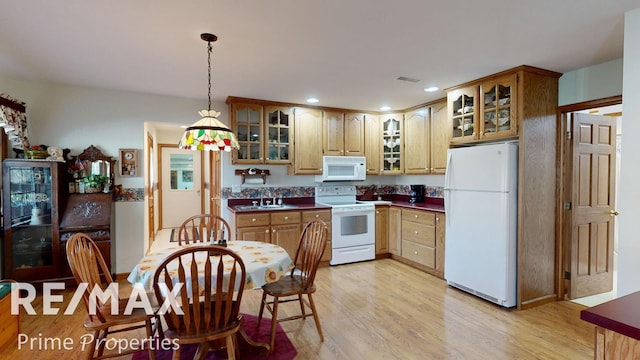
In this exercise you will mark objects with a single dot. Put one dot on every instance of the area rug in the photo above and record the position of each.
(283, 350)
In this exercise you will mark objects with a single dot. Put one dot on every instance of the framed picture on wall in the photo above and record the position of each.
(128, 162)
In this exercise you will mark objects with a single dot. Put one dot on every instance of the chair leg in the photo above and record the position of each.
(102, 341)
(264, 298)
(92, 345)
(176, 353)
(231, 350)
(152, 353)
(274, 322)
(302, 310)
(315, 316)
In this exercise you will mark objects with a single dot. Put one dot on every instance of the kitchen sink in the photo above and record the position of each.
(264, 207)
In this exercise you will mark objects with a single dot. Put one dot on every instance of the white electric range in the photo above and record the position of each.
(352, 224)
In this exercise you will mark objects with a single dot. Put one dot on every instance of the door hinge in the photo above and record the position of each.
(567, 205)
(567, 275)
(569, 135)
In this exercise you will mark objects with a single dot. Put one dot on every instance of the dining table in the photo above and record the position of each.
(264, 263)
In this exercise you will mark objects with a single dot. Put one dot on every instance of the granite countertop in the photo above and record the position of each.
(429, 204)
(620, 315)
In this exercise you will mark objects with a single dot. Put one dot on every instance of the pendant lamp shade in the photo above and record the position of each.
(208, 133)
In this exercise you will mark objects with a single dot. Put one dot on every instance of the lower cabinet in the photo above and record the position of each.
(279, 227)
(422, 234)
(382, 230)
(394, 235)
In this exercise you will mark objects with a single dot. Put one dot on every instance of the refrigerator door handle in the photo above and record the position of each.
(447, 174)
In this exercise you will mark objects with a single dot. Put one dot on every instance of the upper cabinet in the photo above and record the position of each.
(416, 141)
(263, 132)
(372, 131)
(498, 108)
(493, 107)
(308, 143)
(343, 134)
(392, 144)
(463, 112)
(440, 137)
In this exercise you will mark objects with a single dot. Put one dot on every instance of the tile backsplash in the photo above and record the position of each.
(309, 191)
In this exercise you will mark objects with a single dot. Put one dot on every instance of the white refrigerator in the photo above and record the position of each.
(481, 202)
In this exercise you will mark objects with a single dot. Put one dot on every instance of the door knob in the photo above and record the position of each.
(614, 212)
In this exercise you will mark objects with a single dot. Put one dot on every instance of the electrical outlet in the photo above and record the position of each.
(236, 188)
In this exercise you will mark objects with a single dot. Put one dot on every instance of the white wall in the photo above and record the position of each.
(629, 204)
(76, 117)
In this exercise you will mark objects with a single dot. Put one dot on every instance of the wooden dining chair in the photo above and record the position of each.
(201, 228)
(299, 281)
(213, 280)
(88, 266)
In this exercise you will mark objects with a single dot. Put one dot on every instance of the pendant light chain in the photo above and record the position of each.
(209, 50)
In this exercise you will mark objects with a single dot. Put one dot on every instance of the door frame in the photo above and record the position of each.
(563, 220)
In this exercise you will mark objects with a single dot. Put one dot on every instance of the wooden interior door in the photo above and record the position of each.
(592, 204)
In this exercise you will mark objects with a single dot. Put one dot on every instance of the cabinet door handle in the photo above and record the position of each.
(317, 216)
(437, 218)
(416, 232)
(253, 220)
(266, 231)
(415, 253)
(416, 216)
(286, 218)
(377, 211)
(274, 230)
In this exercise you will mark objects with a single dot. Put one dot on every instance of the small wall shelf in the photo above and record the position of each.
(252, 173)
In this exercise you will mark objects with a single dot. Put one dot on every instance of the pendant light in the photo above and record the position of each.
(208, 133)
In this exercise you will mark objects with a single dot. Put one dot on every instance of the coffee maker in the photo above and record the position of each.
(416, 194)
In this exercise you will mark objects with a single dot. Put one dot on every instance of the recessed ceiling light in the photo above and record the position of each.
(312, 100)
(385, 108)
(431, 89)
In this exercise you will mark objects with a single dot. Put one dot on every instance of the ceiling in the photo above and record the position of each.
(348, 54)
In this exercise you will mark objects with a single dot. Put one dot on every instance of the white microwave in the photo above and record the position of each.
(343, 168)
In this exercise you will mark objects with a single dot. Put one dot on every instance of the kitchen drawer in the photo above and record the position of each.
(422, 254)
(324, 215)
(254, 219)
(419, 233)
(424, 217)
(285, 217)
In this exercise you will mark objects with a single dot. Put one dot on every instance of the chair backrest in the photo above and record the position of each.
(311, 245)
(87, 265)
(213, 280)
(201, 228)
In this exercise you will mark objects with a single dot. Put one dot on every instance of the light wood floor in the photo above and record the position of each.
(387, 310)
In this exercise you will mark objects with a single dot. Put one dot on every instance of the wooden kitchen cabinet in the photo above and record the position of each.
(462, 104)
(440, 137)
(392, 144)
(382, 230)
(395, 233)
(263, 132)
(343, 133)
(372, 152)
(417, 134)
(498, 108)
(423, 239)
(280, 227)
(308, 142)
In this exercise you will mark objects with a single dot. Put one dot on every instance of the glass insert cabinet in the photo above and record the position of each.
(31, 192)
(392, 155)
(263, 133)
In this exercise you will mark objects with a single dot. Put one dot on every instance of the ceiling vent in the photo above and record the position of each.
(404, 78)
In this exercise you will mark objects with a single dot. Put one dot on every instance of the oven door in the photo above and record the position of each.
(353, 235)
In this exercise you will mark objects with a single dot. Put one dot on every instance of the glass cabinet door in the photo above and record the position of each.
(392, 143)
(30, 198)
(249, 132)
(278, 128)
(463, 107)
(498, 109)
